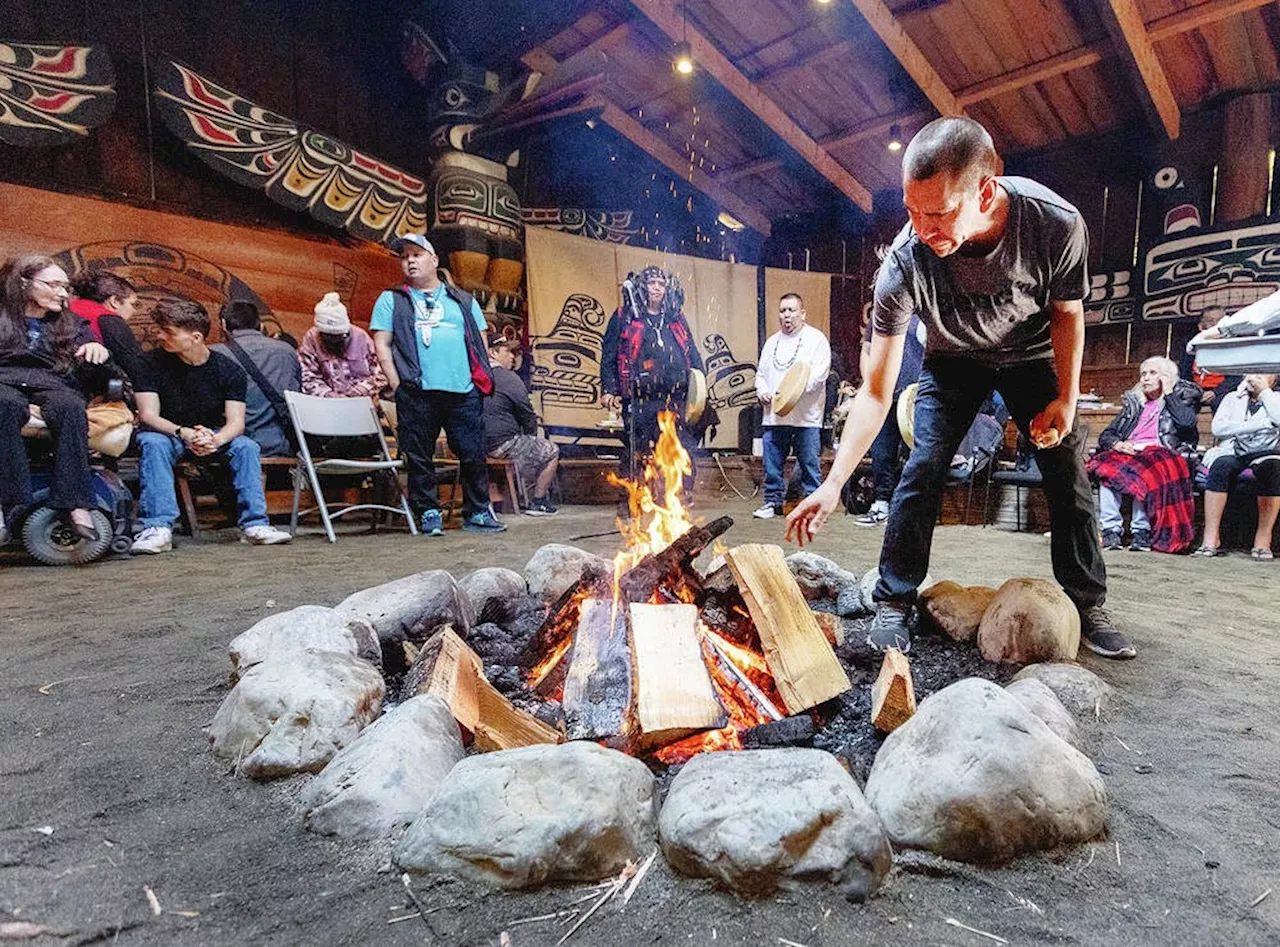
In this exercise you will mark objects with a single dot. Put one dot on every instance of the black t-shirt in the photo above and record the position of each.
(192, 394)
(995, 308)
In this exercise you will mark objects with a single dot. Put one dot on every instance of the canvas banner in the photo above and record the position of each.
(814, 289)
(573, 290)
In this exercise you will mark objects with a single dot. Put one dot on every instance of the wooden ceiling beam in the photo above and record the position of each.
(1129, 34)
(804, 61)
(747, 169)
(660, 151)
(903, 47)
(1165, 27)
(664, 15)
(590, 59)
(1202, 14)
(1035, 72)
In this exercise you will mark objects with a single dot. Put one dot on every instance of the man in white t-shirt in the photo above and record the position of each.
(801, 429)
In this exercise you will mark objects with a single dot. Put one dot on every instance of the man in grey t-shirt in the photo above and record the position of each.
(995, 268)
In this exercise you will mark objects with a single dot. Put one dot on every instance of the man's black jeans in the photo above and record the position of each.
(951, 391)
(420, 416)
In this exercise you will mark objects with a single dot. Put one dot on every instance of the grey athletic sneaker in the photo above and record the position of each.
(1100, 635)
(891, 628)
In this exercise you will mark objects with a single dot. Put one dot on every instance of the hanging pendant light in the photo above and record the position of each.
(682, 61)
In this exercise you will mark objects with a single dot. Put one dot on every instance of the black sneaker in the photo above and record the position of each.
(891, 627)
(1141, 541)
(1112, 539)
(540, 506)
(1100, 636)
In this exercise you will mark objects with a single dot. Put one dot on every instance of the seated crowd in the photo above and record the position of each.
(201, 403)
(430, 365)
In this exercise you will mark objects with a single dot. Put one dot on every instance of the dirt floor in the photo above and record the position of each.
(110, 671)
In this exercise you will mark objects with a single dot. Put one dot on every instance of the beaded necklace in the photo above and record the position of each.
(795, 350)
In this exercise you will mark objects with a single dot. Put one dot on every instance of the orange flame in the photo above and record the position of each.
(726, 738)
(658, 515)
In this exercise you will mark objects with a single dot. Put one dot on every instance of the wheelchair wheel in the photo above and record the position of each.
(50, 539)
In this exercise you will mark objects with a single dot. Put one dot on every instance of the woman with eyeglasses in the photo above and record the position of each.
(45, 349)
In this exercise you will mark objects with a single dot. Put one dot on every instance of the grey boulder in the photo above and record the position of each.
(493, 591)
(381, 781)
(555, 568)
(762, 819)
(519, 818)
(1030, 620)
(1042, 702)
(410, 609)
(291, 713)
(975, 776)
(1080, 690)
(305, 628)
(955, 610)
(819, 577)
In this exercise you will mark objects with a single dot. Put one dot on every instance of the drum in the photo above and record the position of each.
(790, 389)
(907, 414)
(696, 400)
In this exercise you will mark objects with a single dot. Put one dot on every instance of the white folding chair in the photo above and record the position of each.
(338, 417)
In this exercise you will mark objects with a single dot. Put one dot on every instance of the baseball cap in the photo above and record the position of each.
(417, 239)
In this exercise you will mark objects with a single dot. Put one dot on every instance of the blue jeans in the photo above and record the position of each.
(161, 453)
(886, 456)
(951, 392)
(779, 441)
(1110, 517)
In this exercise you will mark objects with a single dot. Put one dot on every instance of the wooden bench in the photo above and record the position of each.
(512, 497)
(188, 471)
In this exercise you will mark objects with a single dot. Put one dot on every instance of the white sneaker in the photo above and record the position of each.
(265, 536)
(767, 512)
(153, 540)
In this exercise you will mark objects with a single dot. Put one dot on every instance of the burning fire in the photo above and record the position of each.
(739, 673)
(658, 516)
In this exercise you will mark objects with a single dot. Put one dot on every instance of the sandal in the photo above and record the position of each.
(1209, 552)
(1261, 553)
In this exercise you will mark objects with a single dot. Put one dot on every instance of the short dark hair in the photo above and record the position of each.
(240, 314)
(181, 314)
(101, 285)
(957, 146)
(796, 296)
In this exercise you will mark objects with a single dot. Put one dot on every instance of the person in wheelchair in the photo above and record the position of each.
(48, 358)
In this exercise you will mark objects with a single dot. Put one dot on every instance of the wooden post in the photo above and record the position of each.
(803, 664)
(674, 696)
(1246, 138)
(893, 697)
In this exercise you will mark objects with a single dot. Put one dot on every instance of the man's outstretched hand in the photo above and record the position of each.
(811, 513)
(1051, 425)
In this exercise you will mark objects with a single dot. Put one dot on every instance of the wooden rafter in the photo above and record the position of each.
(1175, 24)
(803, 61)
(648, 142)
(593, 57)
(1129, 33)
(662, 152)
(664, 15)
(903, 47)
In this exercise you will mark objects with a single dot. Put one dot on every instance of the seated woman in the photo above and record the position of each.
(107, 302)
(1142, 454)
(44, 348)
(1248, 427)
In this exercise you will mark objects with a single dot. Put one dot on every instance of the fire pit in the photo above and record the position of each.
(657, 658)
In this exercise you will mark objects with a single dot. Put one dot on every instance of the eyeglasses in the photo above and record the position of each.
(58, 287)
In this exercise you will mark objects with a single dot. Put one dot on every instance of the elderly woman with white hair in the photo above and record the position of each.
(1143, 454)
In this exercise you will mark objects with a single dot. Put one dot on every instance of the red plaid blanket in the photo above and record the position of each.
(1160, 480)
